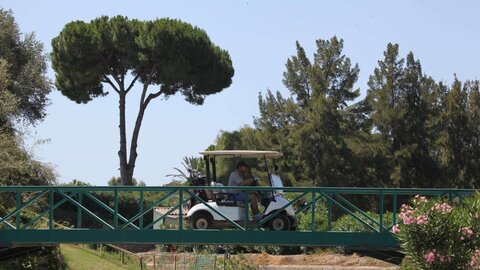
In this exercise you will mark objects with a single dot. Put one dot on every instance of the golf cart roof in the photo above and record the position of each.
(242, 154)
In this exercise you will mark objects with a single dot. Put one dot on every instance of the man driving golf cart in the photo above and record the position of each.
(242, 177)
(222, 208)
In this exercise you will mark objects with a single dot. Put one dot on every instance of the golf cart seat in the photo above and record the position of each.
(227, 199)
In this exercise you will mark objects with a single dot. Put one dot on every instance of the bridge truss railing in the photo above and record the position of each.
(37, 211)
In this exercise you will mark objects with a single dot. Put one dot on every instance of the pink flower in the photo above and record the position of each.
(395, 229)
(442, 258)
(430, 257)
(466, 232)
(474, 259)
(406, 214)
(409, 220)
(422, 219)
(443, 208)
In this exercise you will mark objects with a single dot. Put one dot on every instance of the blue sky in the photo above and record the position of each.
(260, 36)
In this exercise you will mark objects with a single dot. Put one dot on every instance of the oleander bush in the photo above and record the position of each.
(436, 234)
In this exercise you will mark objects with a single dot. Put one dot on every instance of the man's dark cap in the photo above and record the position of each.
(241, 163)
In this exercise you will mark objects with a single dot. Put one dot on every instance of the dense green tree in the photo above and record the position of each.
(20, 98)
(275, 131)
(401, 104)
(23, 62)
(458, 141)
(320, 139)
(384, 93)
(474, 125)
(8, 102)
(413, 158)
(313, 124)
(169, 54)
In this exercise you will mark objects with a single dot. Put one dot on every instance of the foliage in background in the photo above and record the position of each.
(117, 181)
(45, 258)
(19, 167)
(348, 223)
(437, 235)
(320, 222)
(23, 99)
(24, 85)
(408, 131)
(194, 168)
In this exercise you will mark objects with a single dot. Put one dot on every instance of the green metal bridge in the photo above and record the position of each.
(125, 215)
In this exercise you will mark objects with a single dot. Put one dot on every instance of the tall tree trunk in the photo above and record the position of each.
(127, 169)
(122, 153)
(134, 143)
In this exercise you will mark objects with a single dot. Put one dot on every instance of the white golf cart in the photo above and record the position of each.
(202, 217)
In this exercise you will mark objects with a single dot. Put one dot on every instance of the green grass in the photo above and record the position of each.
(81, 258)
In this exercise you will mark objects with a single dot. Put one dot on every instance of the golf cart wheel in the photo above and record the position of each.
(279, 223)
(202, 221)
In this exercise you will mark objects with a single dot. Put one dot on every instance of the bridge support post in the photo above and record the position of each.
(330, 209)
(180, 210)
(18, 205)
(140, 221)
(394, 210)
(381, 211)
(247, 201)
(314, 204)
(50, 214)
(79, 210)
(115, 213)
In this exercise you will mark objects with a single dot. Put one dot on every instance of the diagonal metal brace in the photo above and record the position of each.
(85, 209)
(358, 210)
(23, 206)
(45, 212)
(108, 208)
(166, 214)
(150, 208)
(349, 212)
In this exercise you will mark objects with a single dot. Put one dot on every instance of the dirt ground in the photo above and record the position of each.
(324, 260)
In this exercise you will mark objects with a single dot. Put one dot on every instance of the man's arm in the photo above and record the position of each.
(248, 179)
(247, 182)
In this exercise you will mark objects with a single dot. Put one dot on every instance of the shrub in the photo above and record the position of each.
(305, 219)
(437, 235)
(44, 258)
(348, 223)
